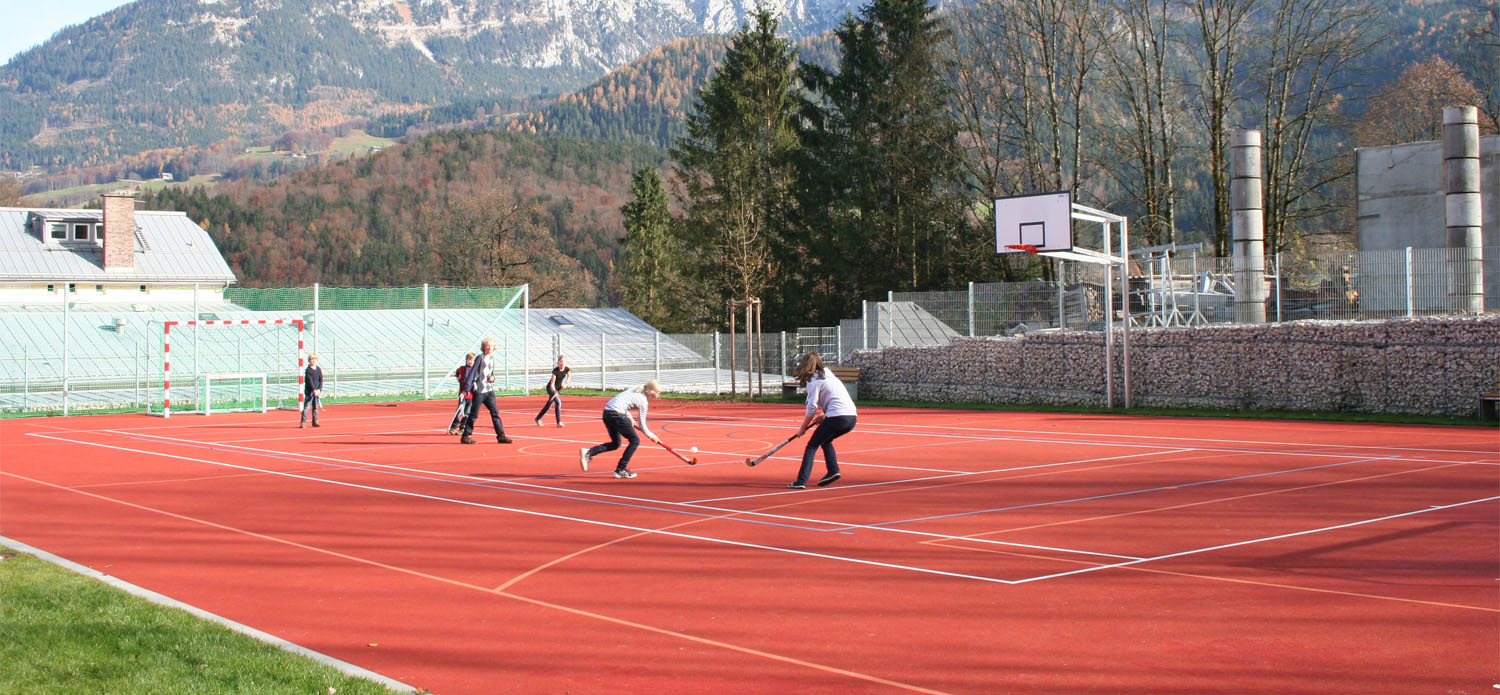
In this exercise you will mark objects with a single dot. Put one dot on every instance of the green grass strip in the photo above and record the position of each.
(62, 633)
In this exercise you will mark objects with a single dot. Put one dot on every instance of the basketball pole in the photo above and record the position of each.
(1041, 224)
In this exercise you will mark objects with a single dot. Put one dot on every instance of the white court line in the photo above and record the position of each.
(1052, 438)
(546, 515)
(1009, 433)
(647, 503)
(700, 504)
(756, 546)
(1254, 541)
(959, 474)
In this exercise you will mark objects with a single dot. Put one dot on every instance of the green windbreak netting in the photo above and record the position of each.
(304, 299)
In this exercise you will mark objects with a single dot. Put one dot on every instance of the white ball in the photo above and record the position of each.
(693, 450)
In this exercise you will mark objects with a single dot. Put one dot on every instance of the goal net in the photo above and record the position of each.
(220, 366)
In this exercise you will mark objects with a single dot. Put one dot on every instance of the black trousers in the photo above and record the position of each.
(618, 425)
(488, 400)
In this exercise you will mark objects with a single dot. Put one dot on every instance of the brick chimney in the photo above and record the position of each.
(119, 232)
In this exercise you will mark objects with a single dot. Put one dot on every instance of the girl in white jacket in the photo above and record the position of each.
(831, 409)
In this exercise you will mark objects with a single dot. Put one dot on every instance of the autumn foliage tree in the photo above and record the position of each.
(10, 192)
(1410, 108)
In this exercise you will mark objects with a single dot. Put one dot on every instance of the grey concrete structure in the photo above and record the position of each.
(1462, 198)
(1247, 221)
(1401, 204)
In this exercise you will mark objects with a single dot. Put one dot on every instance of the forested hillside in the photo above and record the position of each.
(462, 208)
(645, 101)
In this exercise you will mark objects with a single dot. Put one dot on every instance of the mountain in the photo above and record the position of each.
(171, 73)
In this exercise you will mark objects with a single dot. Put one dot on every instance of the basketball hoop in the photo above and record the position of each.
(1028, 248)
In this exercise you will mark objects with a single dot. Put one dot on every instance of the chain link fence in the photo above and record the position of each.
(405, 342)
(1182, 289)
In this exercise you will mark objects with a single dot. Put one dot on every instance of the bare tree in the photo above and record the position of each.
(1021, 98)
(1222, 39)
(1479, 57)
(1304, 62)
(487, 240)
(1142, 142)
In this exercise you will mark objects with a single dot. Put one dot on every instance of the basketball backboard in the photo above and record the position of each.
(1043, 221)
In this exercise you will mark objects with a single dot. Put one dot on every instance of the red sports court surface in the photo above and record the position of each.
(963, 552)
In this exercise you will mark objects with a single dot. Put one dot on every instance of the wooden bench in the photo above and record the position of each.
(848, 375)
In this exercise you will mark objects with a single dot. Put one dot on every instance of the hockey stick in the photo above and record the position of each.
(774, 449)
(460, 413)
(689, 461)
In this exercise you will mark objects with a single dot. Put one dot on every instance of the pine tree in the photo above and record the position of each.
(736, 162)
(883, 169)
(653, 280)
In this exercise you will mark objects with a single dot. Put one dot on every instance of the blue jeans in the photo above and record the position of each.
(618, 425)
(553, 397)
(822, 438)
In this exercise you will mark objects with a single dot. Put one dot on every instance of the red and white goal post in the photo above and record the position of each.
(233, 365)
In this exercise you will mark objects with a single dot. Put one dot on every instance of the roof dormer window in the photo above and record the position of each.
(81, 231)
(57, 231)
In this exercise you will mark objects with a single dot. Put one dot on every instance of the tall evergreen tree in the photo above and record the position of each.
(883, 169)
(653, 280)
(736, 163)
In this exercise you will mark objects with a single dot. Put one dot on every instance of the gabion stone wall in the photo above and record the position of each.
(1434, 365)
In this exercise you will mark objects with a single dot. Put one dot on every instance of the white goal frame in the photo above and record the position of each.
(166, 352)
(208, 384)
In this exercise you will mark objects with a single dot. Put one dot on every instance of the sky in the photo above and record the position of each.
(30, 22)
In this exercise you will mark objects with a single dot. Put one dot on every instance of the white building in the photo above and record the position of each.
(116, 256)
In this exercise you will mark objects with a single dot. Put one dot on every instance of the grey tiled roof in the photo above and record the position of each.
(169, 248)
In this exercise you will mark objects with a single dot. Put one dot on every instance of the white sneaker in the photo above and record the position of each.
(583, 458)
(624, 473)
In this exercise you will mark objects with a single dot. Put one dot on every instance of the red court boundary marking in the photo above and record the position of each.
(518, 597)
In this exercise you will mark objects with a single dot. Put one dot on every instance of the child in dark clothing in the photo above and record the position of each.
(461, 413)
(555, 385)
(312, 390)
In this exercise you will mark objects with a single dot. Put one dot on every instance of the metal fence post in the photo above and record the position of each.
(883, 337)
(716, 362)
(65, 344)
(196, 330)
(1411, 304)
(971, 309)
(864, 323)
(1277, 259)
(315, 321)
(426, 388)
(781, 368)
(1062, 308)
(526, 339)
